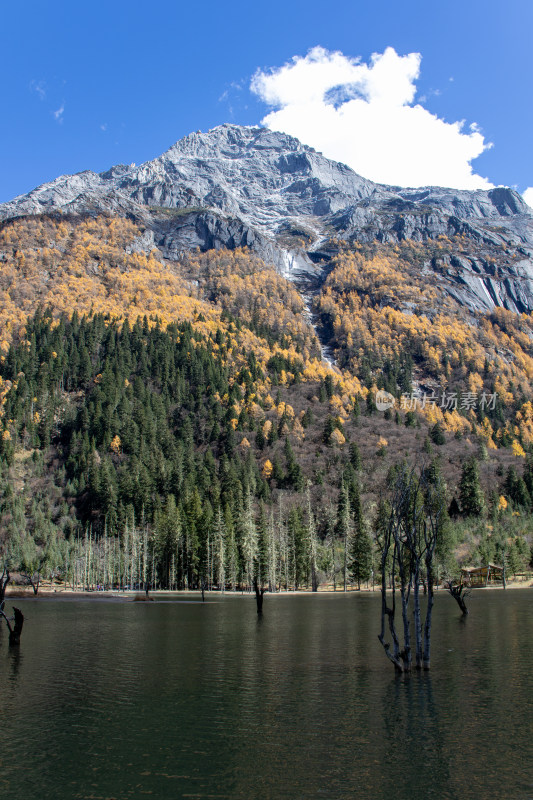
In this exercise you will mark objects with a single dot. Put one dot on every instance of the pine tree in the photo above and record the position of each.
(283, 546)
(312, 544)
(344, 529)
(298, 547)
(470, 492)
(355, 457)
(361, 545)
(436, 434)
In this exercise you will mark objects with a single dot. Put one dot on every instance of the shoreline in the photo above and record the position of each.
(196, 594)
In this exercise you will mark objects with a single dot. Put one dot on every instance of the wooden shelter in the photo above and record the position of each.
(482, 576)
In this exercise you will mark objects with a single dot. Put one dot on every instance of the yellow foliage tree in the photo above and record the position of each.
(266, 472)
(336, 437)
(115, 444)
(517, 449)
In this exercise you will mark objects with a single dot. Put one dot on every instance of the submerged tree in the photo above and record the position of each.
(259, 592)
(417, 514)
(15, 629)
(459, 592)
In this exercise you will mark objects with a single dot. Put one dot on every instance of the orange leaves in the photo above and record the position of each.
(284, 409)
(116, 444)
(475, 382)
(381, 304)
(517, 449)
(266, 471)
(337, 437)
(266, 429)
(243, 285)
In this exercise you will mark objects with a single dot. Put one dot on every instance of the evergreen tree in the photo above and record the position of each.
(436, 434)
(360, 553)
(471, 495)
(299, 552)
(344, 529)
(312, 542)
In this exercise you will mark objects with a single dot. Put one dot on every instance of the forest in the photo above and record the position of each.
(133, 454)
(173, 424)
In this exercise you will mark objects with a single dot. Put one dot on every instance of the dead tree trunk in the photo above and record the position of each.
(14, 635)
(4, 580)
(459, 593)
(16, 629)
(259, 592)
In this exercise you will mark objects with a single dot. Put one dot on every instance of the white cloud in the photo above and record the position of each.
(365, 116)
(39, 87)
(58, 115)
(528, 196)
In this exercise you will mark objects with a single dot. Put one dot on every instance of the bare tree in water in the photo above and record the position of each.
(16, 622)
(459, 592)
(408, 540)
(259, 592)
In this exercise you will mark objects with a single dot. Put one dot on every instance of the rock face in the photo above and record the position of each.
(253, 187)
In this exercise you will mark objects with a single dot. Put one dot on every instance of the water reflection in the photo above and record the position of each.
(14, 658)
(215, 700)
(416, 760)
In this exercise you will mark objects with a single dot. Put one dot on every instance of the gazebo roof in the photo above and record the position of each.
(484, 567)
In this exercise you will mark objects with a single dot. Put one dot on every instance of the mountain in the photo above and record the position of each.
(236, 186)
(191, 353)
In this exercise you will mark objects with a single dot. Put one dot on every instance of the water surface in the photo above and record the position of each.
(170, 700)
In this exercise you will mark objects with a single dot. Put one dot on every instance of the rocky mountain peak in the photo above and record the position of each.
(250, 186)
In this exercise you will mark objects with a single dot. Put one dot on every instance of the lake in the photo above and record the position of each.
(110, 699)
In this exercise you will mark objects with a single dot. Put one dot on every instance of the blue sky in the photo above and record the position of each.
(86, 86)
